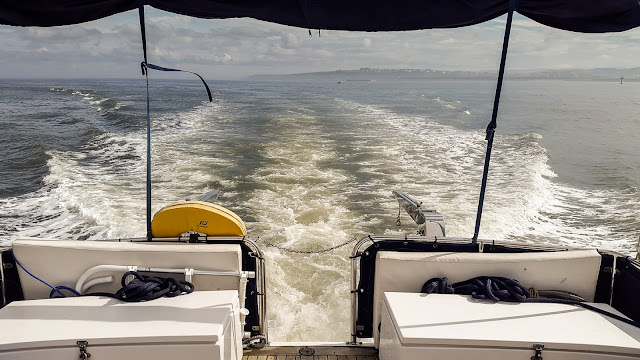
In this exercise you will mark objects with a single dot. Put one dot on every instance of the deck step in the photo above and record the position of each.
(314, 357)
(319, 353)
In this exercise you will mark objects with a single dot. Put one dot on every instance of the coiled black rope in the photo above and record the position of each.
(498, 288)
(494, 288)
(145, 288)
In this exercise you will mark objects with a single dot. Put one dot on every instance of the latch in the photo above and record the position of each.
(538, 349)
(84, 355)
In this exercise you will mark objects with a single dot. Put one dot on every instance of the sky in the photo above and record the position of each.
(236, 48)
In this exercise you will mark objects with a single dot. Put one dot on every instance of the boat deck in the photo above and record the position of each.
(319, 353)
(313, 357)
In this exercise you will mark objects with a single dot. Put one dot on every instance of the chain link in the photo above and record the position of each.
(306, 251)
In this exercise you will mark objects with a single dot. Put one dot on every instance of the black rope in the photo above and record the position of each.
(145, 288)
(492, 125)
(482, 287)
(504, 289)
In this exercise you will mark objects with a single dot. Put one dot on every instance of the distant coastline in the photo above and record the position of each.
(374, 74)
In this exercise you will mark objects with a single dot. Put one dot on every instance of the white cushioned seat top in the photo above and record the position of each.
(62, 262)
(575, 271)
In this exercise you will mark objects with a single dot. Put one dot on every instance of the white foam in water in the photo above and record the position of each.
(447, 104)
(431, 156)
(442, 166)
(42, 215)
(87, 199)
(299, 205)
(100, 192)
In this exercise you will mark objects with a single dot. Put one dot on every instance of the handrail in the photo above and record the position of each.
(3, 281)
(261, 285)
(124, 268)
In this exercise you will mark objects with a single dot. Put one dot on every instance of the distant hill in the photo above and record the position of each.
(587, 74)
(373, 74)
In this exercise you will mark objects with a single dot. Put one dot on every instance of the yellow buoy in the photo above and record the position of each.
(197, 216)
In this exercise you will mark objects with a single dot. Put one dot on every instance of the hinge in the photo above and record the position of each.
(84, 355)
(538, 349)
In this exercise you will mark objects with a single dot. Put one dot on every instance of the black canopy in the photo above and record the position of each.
(358, 15)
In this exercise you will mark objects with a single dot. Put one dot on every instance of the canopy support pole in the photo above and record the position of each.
(145, 72)
(145, 66)
(491, 128)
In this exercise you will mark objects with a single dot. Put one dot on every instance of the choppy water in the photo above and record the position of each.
(310, 165)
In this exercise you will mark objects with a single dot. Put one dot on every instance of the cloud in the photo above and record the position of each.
(323, 53)
(59, 34)
(239, 47)
(527, 23)
(243, 32)
(448, 41)
(289, 41)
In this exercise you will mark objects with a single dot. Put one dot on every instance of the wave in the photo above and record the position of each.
(101, 103)
(447, 104)
(99, 190)
(524, 201)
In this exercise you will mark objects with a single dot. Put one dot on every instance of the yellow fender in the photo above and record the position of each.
(198, 216)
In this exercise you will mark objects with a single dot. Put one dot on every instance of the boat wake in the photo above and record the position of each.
(308, 173)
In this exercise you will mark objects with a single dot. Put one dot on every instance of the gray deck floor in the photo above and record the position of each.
(321, 353)
(314, 357)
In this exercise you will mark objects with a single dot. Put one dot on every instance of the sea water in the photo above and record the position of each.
(312, 165)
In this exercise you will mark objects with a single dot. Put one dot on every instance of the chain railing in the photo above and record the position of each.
(295, 251)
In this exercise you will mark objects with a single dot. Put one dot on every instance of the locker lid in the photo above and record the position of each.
(199, 317)
(458, 320)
